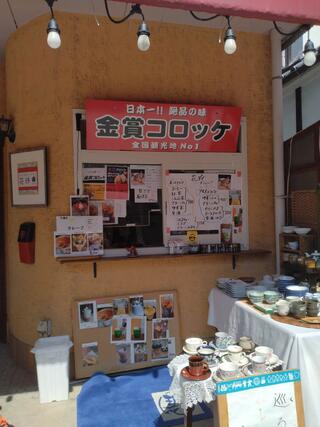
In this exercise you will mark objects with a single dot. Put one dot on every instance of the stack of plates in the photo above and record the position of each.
(236, 288)
(296, 291)
(283, 282)
(222, 281)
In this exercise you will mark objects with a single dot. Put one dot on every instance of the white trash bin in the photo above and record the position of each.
(52, 360)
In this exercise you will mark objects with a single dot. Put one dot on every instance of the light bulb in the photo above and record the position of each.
(54, 40)
(309, 51)
(230, 45)
(53, 31)
(143, 42)
(143, 34)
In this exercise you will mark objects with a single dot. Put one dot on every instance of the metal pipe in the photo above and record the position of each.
(278, 161)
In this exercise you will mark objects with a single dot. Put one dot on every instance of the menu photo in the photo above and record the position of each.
(95, 243)
(138, 329)
(62, 244)
(120, 329)
(150, 308)
(89, 353)
(160, 328)
(163, 349)
(117, 182)
(140, 352)
(123, 354)
(87, 314)
(136, 305)
(79, 205)
(166, 305)
(104, 315)
(120, 306)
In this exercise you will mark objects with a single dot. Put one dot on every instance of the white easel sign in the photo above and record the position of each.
(263, 400)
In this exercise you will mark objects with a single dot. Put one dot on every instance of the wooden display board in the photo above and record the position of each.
(126, 332)
(272, 399)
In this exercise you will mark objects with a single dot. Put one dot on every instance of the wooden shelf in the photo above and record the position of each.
(250, 252)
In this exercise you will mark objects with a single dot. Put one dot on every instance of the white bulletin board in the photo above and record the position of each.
(209, 201)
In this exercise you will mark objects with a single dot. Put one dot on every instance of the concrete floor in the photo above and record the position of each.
(19, 400)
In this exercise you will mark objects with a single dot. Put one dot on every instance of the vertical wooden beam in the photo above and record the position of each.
(3, 295)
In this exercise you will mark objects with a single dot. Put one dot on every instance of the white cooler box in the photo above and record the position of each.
(52, 360)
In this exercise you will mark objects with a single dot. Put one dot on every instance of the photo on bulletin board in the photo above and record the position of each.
(104, 315)
(123, 354)
(87, 312)
(138, 329)
(90, 354)
(79, 205)
(120, 329)
(140, 352)
(150, 308)
(136, 305)
(108, 212)
(160, 328)
(120, 306)
(166, 305)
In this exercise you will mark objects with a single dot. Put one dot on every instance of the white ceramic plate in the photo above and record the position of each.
(193, 353)
(218, 378)
(244, 360)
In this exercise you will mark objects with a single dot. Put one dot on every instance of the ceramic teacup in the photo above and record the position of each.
(264, 351)
(207, 352)
(246, 343)
(258, 363)
(235, 353)
(191, 344)
(283, 307)
(228, 370)
(222, 339)
(197, 365)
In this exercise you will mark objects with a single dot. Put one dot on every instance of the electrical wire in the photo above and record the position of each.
(282, 32)
(135, 9)
(203, 19)
(12, 14)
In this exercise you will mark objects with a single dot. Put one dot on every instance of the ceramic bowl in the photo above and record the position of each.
(302, 230)
(255, 296)
(288, 229)
(271, 297)
(228, 370)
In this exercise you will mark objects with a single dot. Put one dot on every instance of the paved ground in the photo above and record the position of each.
(19, 400)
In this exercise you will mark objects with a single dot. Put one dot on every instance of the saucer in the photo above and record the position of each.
(186, 374)
(216, 376)
(247, 370)
(242, 362)
(193, 353)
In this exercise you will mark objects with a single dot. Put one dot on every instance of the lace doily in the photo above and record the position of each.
(186, 392)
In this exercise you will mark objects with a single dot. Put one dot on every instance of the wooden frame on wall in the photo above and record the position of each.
(28, 177)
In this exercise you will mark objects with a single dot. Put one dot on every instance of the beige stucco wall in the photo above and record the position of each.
(2, 89)
(184, 64)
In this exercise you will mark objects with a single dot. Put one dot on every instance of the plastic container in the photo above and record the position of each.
(52, 360)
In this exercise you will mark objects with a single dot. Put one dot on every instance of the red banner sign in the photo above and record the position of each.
(145, 126)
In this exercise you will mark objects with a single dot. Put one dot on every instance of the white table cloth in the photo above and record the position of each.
(298, 347)
(189, 393)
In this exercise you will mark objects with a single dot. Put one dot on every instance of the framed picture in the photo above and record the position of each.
(28, 170)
